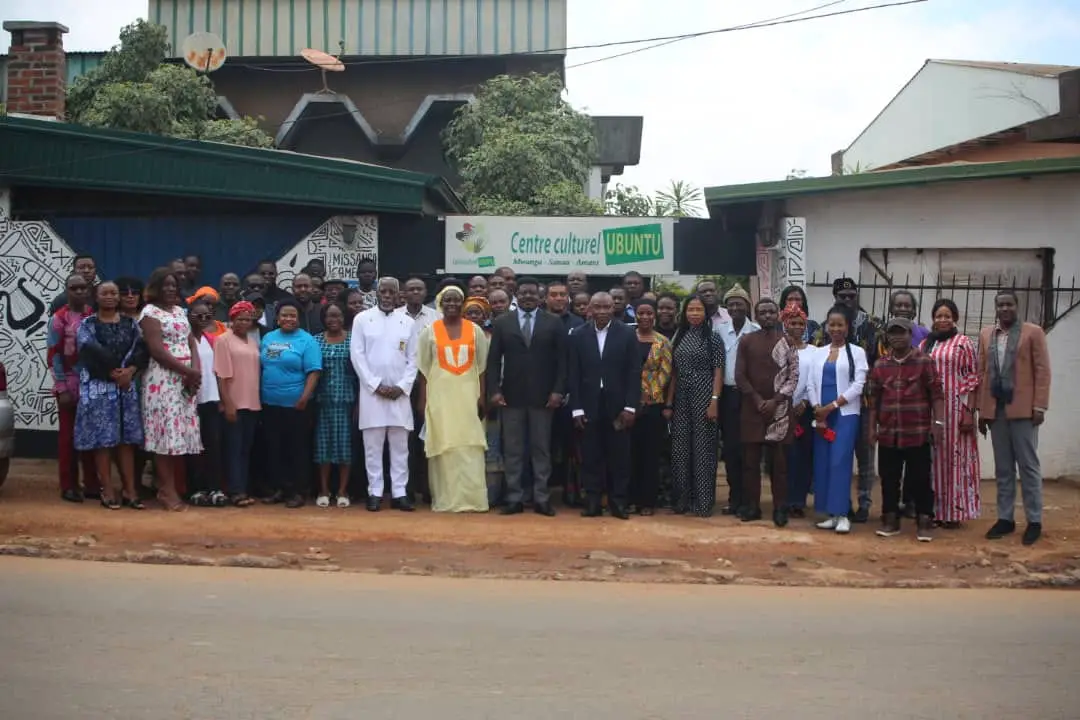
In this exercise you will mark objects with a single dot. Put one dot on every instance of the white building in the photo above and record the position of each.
(959, 230)
(973, 111)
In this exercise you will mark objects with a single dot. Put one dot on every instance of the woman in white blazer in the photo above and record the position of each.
(835, 384)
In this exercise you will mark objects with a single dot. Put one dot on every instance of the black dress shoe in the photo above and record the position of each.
(404, 504)
(750, 514)
(374, 504)
(592, 508)
(1000, 529)
(862, 515)
(274, 498)
(1032, 533)
(797, 513)
(544, 509)
(296, 501)
(619, 511)
(512, 509)
(729, 510)
(780, 518)
(71, 496)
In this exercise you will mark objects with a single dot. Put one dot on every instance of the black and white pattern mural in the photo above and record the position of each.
(340, 242)
(34, 264)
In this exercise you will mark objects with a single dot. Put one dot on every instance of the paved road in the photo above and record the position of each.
(94, 641)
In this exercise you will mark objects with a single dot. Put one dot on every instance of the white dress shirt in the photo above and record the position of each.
(423, 319)
(731, 345)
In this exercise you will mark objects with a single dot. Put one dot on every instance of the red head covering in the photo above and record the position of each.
(241, 307)
(792, 311)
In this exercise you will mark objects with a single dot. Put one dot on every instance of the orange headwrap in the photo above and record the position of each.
(204, 292)
(479, 302)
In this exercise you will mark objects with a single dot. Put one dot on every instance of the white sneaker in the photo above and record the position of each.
(323, 501)
(829, 524)
(342, 501)
(843, 525)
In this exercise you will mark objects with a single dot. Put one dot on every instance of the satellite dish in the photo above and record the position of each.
(203, 51)
(325, 62)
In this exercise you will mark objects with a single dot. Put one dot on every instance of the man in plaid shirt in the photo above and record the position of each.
(906, 411)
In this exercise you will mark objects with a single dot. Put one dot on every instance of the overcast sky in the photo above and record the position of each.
(735, 107)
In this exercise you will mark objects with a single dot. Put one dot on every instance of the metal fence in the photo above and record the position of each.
(1044, 303)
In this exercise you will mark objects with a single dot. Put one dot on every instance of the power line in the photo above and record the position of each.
(783, 20)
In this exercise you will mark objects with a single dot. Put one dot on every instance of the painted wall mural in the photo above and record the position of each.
(341, 243)
(34, 264)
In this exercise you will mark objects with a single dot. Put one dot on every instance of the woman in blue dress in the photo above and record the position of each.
(108, 418)
(837, 375)
(336, 402)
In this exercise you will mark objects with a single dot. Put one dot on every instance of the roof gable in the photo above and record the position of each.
(948, 102)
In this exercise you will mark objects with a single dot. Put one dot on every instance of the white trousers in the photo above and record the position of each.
(374, 438)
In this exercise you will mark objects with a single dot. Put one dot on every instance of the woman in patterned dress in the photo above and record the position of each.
(108, 419)
(693, 405)
(649, 428)
(956, 461)
(336, 398)
(171, 385)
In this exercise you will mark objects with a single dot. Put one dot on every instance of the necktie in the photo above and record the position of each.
(526, 328)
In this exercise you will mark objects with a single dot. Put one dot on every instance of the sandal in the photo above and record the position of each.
(219, 499)
(109, 503)
(242, 500)
(171, 503)
(133, 503)
(200, 499)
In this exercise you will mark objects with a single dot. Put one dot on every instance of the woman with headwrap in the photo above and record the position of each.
(801, 450)
(796, 294)
(452, 357)
(210, 297)
(478, 310)
(236, 364)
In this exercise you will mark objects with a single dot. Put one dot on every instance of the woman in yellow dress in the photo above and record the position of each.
(452, 355)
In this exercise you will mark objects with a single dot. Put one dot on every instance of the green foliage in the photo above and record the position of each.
(521, 149)
(680, 199)
(133, 89)
(628, 201)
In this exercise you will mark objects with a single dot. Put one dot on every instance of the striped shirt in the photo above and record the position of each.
(903, 393)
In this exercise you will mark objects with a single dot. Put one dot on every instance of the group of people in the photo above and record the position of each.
(505, 387)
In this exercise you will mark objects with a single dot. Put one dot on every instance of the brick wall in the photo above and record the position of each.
(36, 68)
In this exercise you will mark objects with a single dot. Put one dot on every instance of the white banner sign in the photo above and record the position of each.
(605, 245)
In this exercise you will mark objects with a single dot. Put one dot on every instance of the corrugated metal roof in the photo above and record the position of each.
(281, 28)
(952, 172)
(1020, 68)
(56, 154)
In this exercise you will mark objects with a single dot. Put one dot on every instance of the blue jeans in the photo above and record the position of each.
(239, 438)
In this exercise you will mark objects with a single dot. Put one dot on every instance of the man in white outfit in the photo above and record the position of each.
(383, 351)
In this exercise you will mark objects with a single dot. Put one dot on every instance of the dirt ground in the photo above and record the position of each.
(664, 548)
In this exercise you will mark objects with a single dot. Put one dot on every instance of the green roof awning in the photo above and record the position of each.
(782, 189)
(56, 154)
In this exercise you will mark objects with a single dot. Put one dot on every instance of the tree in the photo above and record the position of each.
(134, 89)
(521, 149)
(628, 201)
(680, 199)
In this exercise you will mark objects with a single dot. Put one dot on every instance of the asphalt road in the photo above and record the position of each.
(94, 641)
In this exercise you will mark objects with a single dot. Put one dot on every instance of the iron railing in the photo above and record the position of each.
(1044, 303)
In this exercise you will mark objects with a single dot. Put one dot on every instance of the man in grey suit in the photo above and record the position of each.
(526, 377)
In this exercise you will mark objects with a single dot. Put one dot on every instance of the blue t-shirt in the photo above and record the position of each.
(287, 358)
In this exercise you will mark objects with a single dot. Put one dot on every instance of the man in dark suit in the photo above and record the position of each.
(526, 377)
(605, 388)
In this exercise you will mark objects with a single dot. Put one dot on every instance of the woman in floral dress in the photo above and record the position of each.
(171, 385)
(108, 419)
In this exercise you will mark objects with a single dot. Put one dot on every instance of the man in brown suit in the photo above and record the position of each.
(1014, 395)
